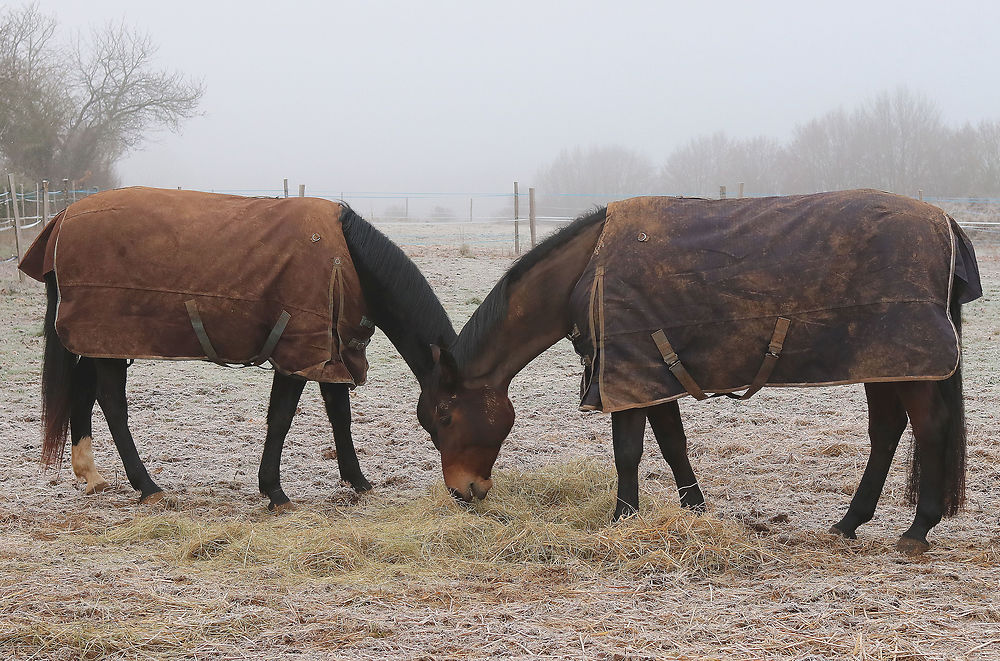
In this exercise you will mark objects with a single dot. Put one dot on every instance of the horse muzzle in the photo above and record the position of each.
(471, 489)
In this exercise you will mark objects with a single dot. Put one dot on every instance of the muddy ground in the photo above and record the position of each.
(783, 465)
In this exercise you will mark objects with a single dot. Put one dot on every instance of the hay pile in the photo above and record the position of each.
(557, 516)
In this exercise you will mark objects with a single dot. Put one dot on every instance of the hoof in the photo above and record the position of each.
(841, 533)
(152, 498)
(911, 547)
(361, 486)
(97, 488)
(162, 499)
(283, 508)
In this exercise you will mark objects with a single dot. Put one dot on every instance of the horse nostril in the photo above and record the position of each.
(479, 490)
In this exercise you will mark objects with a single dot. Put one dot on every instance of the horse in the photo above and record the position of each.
(390, 291)
(465, 407)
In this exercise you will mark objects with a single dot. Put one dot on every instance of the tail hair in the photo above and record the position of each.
(57, 382)
(955, 441)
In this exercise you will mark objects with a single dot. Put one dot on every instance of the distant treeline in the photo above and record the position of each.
(897, 141)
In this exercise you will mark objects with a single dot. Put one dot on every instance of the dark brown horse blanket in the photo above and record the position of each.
(805, 290)
(184, 275)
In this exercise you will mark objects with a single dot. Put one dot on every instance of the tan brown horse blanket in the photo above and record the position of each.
(185, 275)
(841, 287)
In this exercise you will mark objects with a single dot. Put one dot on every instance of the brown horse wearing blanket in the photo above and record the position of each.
(666, 297)
(300, 283)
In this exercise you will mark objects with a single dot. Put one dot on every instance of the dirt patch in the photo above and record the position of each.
(220, 577)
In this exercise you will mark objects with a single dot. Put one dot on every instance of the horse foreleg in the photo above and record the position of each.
(886, 423)
(111, 396)
(929, 416)
(627, 428)
(665, 419)
(81, 425)
(337, 398)
(285, 393)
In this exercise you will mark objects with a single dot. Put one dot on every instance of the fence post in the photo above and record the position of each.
(45, 202)
(741, 190)
(17, 224)
(920, 194)
(722, 192)
(470, 212)
(517, 237)
(65, 193)
(286, 187)
(531, 214)
(406, 209)
(302, 190)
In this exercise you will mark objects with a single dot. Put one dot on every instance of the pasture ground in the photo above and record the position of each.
(403, 572)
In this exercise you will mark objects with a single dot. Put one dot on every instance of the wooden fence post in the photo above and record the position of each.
(286, 187)
(722, 192)
(517, 237)
(17, 224)
(920, 194)
(65, 193)
(531, 214)
(302, 190)
(741, 190)
(45, 202)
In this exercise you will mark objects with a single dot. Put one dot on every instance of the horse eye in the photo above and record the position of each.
(444, 421)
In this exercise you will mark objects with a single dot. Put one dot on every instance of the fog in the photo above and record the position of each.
(463, 96)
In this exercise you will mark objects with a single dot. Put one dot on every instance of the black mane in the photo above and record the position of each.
(494, 306)
(398, 297)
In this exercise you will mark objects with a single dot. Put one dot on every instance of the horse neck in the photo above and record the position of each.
(414, 347)
(537, 316)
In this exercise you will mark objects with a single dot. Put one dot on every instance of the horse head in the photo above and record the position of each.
(467, 424)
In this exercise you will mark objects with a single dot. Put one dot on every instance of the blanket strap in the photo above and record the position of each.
(272, 339)
(770, 359)
(199, 330)
(213, 355)
(676, 368)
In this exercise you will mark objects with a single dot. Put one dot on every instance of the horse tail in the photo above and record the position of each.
(955, 434)
(57, 382)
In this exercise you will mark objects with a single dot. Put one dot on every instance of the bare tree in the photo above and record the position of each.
(579, 178)
(903, 137)
(33, 104)
(77, 111)
(709, 161)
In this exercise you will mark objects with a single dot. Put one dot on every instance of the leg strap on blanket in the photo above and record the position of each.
(763, 374)
(213, 355)
(676, 368)
(770, 359)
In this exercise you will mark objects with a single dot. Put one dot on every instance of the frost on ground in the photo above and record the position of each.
(220, 577)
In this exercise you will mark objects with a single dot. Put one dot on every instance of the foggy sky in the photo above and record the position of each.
(468, 96)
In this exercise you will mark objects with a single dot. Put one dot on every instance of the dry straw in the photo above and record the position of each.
(552, 516)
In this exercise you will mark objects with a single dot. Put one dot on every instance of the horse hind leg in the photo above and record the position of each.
(665, 419)
(337, 399)
(886, 423)
(110, 391)
(81, 434)
(931, 419)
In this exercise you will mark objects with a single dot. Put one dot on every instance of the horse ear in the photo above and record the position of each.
(451, 378)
